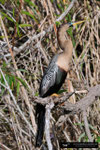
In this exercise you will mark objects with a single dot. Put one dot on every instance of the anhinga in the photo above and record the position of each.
(55, 75)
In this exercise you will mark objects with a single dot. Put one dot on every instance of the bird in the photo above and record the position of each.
(55, 75)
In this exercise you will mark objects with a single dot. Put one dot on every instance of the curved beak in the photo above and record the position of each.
(75, 23)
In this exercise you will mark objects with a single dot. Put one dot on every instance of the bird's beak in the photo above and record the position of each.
(79, 22)
(75, 23)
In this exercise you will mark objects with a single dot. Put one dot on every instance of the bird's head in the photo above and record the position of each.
(62, 36)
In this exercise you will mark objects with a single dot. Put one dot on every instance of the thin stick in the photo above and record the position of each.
(66, 11)
(4, 147)
(41, 34)
(87, 128)
(47, 125)
(14, 100)
(24, 95)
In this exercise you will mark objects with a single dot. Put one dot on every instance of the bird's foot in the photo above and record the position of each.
(55, 95)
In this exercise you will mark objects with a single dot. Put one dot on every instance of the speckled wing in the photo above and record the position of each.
(49, 77)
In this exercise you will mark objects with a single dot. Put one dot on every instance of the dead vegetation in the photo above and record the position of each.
(27, 43)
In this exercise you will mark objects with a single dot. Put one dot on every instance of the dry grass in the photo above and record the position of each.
(31, 57)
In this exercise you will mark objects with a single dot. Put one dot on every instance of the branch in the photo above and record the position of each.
(47, 125)
(87, 126)
(66, 11)
(41, 34)
(15, 102)
(2, 146)
(87, 130)
(70, 108)
(56, 100)
(24, 95)
(85, 102)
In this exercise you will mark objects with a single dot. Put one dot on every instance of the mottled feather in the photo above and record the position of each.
(49, 77)
(52, 79)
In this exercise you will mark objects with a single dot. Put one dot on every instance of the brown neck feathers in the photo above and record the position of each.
(64, 40)
(65, 44)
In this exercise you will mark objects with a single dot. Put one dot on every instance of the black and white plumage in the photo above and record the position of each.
(52, 79)
(50, 83)
(54, 75)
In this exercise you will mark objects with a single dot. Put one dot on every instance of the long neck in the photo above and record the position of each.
(64, 40)
(65, 44)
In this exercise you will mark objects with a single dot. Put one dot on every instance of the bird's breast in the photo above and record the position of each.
(63, 63)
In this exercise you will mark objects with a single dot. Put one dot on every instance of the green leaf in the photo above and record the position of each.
(30, 3)
(25, 25)
(57, 23)
(80, 124)
(2, 88)
(33, 7)
(22, 70)
(81, 136)
(22, 81)
(18, 31)
(27, 1)
(98, 139)
(9, 18)
(61, 91)
(3, 1)
(28, 14)
(1, 37)
(2, 91)
(18, 88)
(11, 83)
(36, 94)
(7, 78)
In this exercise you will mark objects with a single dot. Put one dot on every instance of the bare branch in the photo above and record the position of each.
(85, 102)
(14, 100)
(41, 34)
(66, 11)
(70, 108)
(2, 146)
(87, 126)
(47, 125)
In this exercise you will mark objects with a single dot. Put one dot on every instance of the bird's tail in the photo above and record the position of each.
(40, 111)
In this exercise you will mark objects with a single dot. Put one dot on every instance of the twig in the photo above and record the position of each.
(13, 117)
(15, 102)
(66, 11)
(49, 99)
(9, 14)
(65, 99)
(47, 125)
(2, 146)
(87, 126)
(79, 106)
(23, 91)
(39, 46)
(50, 8)
(3, 85)
(85, 102)
(41, 34)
